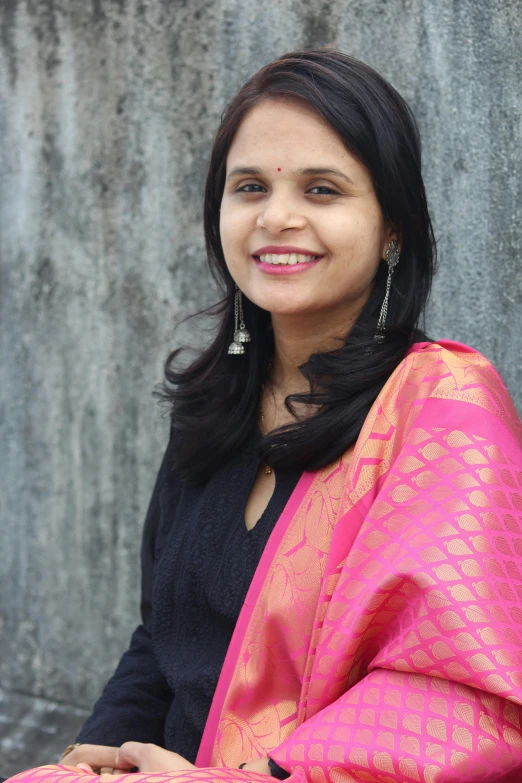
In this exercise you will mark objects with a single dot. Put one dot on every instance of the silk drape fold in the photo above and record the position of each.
(381, 639)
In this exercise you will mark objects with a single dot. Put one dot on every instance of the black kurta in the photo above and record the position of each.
(198, 560)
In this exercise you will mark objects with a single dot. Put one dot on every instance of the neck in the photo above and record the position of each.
(296, 339)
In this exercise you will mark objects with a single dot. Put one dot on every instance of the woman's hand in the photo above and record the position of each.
(150, 758)
(145, 756)
(93, 758)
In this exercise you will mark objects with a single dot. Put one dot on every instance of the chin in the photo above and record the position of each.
(287, 308)
(290, 303)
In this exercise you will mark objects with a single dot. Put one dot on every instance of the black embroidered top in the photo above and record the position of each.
(198, 560)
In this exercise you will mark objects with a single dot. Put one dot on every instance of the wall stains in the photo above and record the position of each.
(319, 23)
(7, 30)
(108, 113)
(44, 283)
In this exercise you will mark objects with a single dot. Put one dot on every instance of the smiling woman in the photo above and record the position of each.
(332, 554)
(331, 209)
(316, 153)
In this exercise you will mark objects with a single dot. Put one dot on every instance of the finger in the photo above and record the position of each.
(151, 758)
(131, 754)
(107, 770)
(86, 768)
(94, 755)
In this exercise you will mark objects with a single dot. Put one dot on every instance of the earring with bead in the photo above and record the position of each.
(392, 257)
(241, 333)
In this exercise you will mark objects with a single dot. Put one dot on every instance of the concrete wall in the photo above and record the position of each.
(108, 109)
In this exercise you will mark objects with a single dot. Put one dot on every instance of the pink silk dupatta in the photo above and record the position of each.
(381, 638)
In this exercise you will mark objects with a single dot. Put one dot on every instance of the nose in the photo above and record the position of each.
(279, 213)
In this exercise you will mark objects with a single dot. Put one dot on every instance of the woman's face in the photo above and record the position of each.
(294, 194)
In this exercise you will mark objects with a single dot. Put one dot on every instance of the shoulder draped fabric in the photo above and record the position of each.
(381, 638)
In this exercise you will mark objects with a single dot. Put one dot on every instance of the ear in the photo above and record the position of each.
(391, 235)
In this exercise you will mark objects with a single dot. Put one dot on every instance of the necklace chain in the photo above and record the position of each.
(268, 469)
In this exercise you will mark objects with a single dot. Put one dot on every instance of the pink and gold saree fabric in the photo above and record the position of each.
(381, 639)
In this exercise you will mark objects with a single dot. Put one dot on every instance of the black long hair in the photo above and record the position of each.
(214, 402)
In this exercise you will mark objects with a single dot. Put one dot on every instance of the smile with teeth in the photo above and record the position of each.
(286, 258)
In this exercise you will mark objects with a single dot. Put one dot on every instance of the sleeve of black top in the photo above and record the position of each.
(276, 771)
(136, 700)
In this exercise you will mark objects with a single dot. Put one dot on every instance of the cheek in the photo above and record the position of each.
(358, 249)
(232, 241)
(367, 239)
(224, 227)
(231, 229)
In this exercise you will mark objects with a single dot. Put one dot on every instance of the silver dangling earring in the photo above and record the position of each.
(241, 333)
(392, 257)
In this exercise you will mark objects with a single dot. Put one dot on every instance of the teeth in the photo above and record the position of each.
(286, 258)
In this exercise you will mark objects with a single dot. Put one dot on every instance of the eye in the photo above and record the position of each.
(323, 190)
(250, 188)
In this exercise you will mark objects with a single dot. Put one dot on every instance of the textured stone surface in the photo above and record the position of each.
(106, 118)
(33, 731)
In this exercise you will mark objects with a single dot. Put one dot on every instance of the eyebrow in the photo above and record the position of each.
(244, 171)
(316, 172)
(255, 171)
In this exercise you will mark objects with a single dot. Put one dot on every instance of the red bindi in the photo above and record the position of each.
(279, 169)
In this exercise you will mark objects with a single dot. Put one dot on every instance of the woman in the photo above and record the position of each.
(332, 556)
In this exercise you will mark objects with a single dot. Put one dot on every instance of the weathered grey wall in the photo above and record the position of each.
(107, 112)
